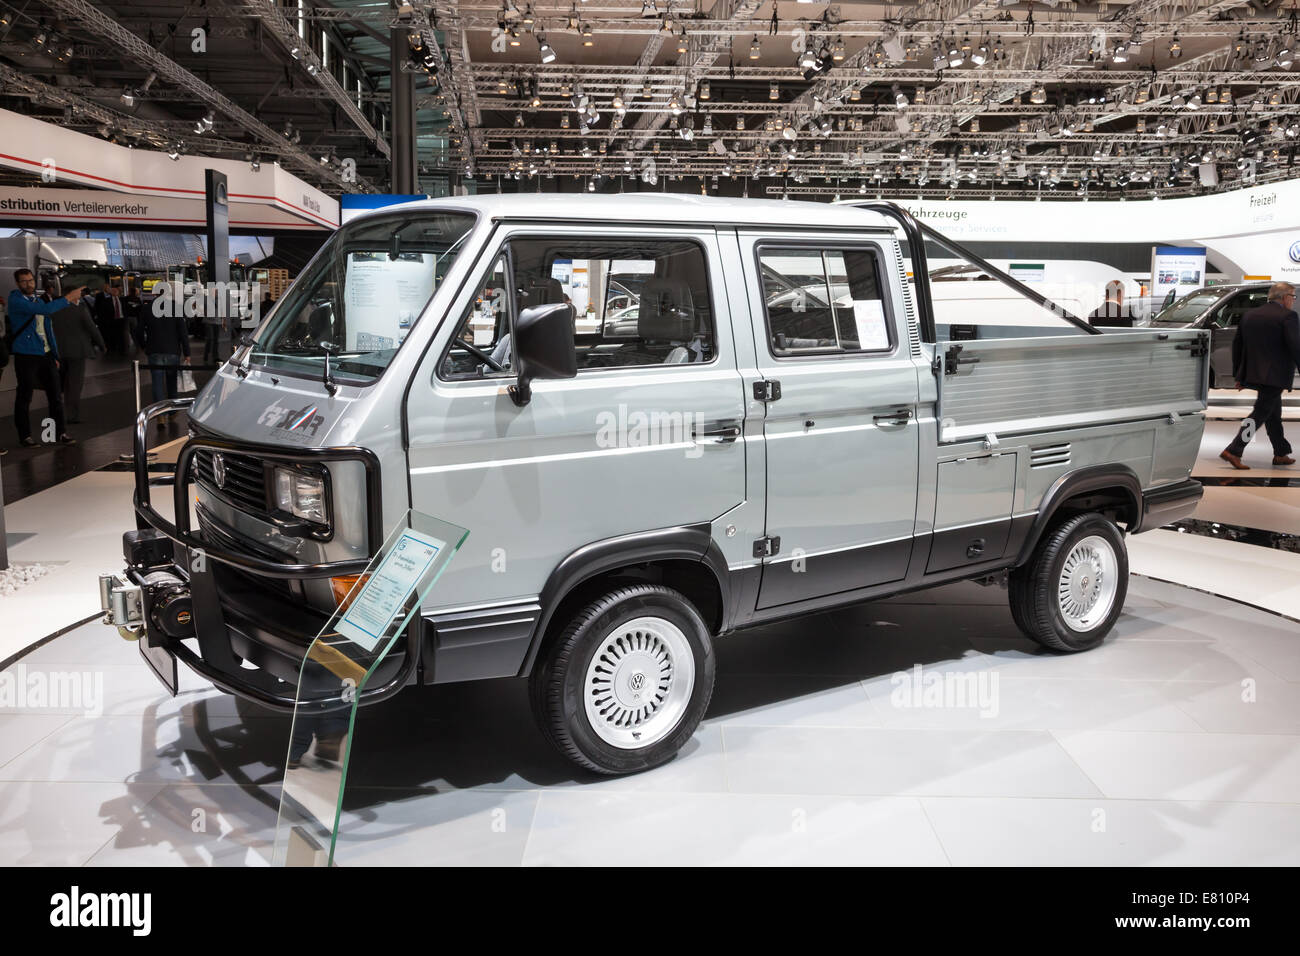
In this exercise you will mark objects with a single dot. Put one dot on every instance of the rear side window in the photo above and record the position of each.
(821, 300)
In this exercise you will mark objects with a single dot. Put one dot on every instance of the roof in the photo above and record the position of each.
(657, 207)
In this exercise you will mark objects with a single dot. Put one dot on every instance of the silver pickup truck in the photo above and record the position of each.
(761, 421)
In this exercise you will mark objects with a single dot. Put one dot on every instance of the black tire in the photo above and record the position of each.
(557, 683)
(1034, 589)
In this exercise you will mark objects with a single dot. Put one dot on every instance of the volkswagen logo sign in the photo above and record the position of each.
(1294, 251)
(219, 471)
(636, 681)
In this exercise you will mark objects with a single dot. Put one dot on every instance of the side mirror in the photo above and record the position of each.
(543, 347)
(320, 323)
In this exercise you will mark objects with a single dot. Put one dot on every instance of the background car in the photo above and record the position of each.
(1218, 308)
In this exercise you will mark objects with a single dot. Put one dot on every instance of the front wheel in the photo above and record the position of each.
(627, 680)
(1069, 594)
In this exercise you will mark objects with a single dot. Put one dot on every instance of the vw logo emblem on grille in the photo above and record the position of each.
(219, 471)
(1294, 252)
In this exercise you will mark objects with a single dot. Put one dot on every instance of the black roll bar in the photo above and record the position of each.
(916, 234)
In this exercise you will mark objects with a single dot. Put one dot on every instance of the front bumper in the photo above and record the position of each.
(251, 633)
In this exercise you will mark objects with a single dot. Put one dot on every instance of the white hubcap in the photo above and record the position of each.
(1089, 581)
(639, 682)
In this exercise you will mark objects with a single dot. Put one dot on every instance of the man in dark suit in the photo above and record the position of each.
(1265, 356)
(111, 316)
(1113, 313)
(78, 339)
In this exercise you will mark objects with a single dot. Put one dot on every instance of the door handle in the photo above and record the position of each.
(893, 419)
(722, 432)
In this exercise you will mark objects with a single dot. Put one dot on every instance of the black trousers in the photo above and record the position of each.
(1266, 414)
(73, 377)
(37, 371)
(211, 344)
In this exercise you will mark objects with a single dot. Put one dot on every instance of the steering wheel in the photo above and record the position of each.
(478, 354)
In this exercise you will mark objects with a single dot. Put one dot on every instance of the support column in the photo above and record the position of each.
(403, 119)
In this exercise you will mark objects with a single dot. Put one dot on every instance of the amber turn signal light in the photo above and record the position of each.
(343, 586)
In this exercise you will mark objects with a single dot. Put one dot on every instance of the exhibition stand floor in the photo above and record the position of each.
(1176, 742)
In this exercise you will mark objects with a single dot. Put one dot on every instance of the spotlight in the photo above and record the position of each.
(545, 51)
(587, 38)
(619, 106)
(128, 97)
(1175, 48)
(519, 120)
(173, 152)
(755, 50)
(773, 91)
(705, 90)
(807, 60)
(1038, 96)
(837, 50)
(900, 98)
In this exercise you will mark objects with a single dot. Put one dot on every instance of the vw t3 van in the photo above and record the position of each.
(663, 419)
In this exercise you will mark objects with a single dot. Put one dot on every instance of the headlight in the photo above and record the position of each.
(302, 494)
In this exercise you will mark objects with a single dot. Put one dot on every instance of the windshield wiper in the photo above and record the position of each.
(329, 349)
(247, 342)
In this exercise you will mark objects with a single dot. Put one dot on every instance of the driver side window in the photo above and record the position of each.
(1229, 316)
(484, 331)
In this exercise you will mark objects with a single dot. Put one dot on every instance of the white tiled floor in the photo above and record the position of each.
(1176, 742)
(77, 524)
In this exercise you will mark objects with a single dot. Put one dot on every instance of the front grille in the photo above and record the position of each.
(219, 536)
(245, 485)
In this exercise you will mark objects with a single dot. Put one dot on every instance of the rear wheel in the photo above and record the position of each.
(1070, 593)
(625, 683)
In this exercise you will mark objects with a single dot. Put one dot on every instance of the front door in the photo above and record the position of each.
(1223, 329)
(842, 438)
(647, 436)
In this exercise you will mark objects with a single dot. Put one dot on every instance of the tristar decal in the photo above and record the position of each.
(294, 424)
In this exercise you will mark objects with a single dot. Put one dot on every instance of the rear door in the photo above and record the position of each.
(842, 437)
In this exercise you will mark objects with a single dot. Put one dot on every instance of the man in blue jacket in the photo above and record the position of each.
(36, 354)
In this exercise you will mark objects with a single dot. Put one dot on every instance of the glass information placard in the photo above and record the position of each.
(364, 650)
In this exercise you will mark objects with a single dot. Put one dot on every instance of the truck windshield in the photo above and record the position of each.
(1189, 308)
(361, 296)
